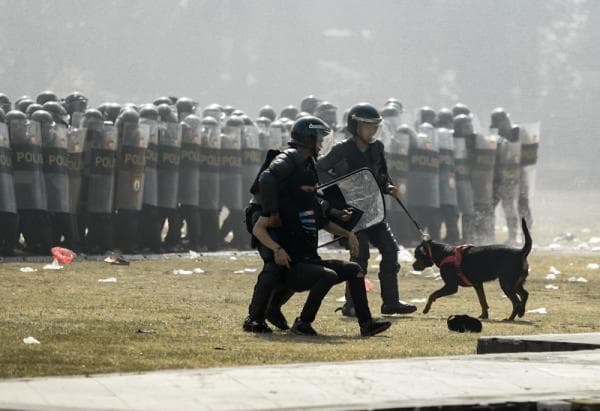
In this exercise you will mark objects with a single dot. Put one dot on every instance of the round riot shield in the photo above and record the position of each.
(448, 194)
(423, 180)
(252, 158)
(464, 191)
(189, 169)
(28, 162)
(230, 171)
(358, 193)
(509, 169)
(131, 160)
(482, 164)
(167, 167)
(8, 202)
(75, 141)
(529, 134)
(150, 195)
(210, 145)
(100, 193)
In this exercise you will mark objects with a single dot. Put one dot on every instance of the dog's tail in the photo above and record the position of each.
(528, 242)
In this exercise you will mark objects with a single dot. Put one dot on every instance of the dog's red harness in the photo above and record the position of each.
(456, 261)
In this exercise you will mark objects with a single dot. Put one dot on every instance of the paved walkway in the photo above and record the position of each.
(460, 380)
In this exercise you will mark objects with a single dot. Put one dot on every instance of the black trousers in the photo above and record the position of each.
(150, 229)
(99, 238)
(211, 234)
(64, 226)
(126, 230)
(175, 220)
(9, 232)
(191, 215)
(37, 230)
(449, 217)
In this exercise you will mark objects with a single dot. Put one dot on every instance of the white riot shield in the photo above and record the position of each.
(8, 202)
(357, 192)
(482, 167)
(423, 180)
(509, 167)
(76, 141)
(150, 195)
(448, 195)
(464, 190)
(28, 161)
(529, 134)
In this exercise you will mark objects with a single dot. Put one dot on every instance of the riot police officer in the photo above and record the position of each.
(364, 150)
(328, 113)
(448, 195)
(185, 107)
(5, 104)
(9, 219)
(464, 191)
(210, 203)
(76, 105)
(268, 112)
(309, 104)
(46, 96)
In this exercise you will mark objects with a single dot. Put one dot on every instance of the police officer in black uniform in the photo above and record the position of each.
(363, 149)
(294, 208)
(9, 219)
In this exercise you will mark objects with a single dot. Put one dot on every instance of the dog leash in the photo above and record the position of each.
(423, 233)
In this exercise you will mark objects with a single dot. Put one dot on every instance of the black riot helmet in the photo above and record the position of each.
(5, 102)
(364, 113)
(162, 100)
(268, 112)
(128, 115)
(23, 103)
(426, 115)
(14, 115)
(289, 112)
(166, 114)
(328, 113)
(92, 116)
(46, 96)
(1, 115)
(396, 103)
(43, 117)
(185, 107)
(228, 110)
(112, 111)
(75, 103)
(500, 119)
(445, 118)
(460, 108)
(194, 121)
(213, 110)
(33, 108)
(149, 111)
(309, 132)
(309, 104)
(58, 112)
(462, 125)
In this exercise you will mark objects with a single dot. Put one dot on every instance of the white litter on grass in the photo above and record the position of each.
(551, 277)
(108, 280)
(551, 287)
(30, 340)
(418, 300)
(54, 265)
(233, 258)
(27, 270)
(554, 246)
(592, 266)
(582, 246)
(594, 240)
(405, 256)
(341, 299)
(577, 280)
(239, 272)
(250, 270)
(193, 254)
(553, 270)
(182, 272)
(198, 270)
(541, 310)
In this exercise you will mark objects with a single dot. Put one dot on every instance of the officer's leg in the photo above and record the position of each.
(192, 218)
(355, 280)
(315, 278)
(468, 227)
(150, 229)
(382, 238)
(173, 237)
(362, 259)
(211, 237)
(126, 230)
(9, 233)
(450, 217)
(105, 231)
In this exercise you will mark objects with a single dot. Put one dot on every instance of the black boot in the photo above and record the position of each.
(373, 327)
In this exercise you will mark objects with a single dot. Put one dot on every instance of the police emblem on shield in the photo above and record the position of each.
(136, 183)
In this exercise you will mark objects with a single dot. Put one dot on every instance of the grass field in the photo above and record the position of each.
(152, 319)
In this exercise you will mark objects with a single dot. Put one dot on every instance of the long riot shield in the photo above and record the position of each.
(464, 190)
(529, 134)
(357, 192)
(189, 169)
(169, 157)
(102, 141)
(509, 167)
(252, 158)
(210, 145)
(482, 164)
(28, 162)
(150, 196)
(397, 146)
(8, 201)
(423, 180)
(448, 195)
(131, 160)
(55, 149)
(230, 172)
(75, 141)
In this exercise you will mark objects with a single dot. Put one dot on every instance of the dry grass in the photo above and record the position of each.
(195, 321)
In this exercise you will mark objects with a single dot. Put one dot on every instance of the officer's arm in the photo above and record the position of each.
(338, 231)
(384, 179)
(326, 164)
(262, 234)
(269, 181)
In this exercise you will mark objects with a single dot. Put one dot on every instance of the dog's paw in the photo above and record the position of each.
(484, 316)
(521, 311)
(426, 310)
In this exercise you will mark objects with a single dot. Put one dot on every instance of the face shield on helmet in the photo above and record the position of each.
(368, 129)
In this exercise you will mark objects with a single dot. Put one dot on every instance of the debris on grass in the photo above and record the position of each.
(198, 270)
(553, 270)
(54, 265)
(250, 270)
(108, 280)
(141, 331)
(30, 340)
(551, 277)
(592, 266)
(541, 310)
(418, 300)
(183, 272)
(27, 270)
(577, 280)
(551, 287)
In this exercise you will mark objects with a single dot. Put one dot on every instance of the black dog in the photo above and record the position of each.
(472, 266)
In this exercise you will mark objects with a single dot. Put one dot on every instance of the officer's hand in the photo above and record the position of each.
(275, 220)
(392, 190)
(342, 215)
(282, 258)
(353, 244)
